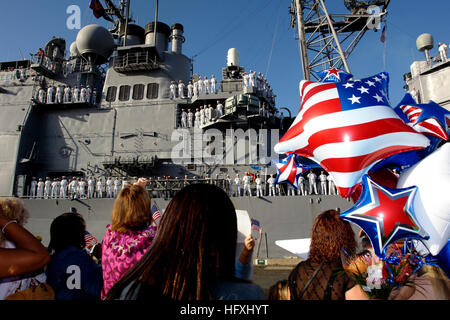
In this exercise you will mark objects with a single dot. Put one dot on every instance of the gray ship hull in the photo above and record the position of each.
(281, 217)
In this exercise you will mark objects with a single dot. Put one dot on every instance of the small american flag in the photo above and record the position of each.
(156, 213)
(90, 240)
(347, 128)
(257, 226)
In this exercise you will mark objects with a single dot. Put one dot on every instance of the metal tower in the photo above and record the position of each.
(327, 40)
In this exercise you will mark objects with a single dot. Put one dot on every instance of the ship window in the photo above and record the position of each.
(138, 92)
(152, 91)
(111, 94)
(124, 93)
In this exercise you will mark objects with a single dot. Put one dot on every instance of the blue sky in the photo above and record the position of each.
(251, 26)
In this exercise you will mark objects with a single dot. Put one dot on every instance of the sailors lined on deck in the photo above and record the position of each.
(65, 94)
(203, 115)
(178, 89)
(249, 185)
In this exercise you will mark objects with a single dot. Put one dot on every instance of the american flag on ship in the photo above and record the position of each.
(347, 128)
(427, 125)
(156, 213)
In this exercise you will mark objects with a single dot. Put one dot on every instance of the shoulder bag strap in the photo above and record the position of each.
(293, 283)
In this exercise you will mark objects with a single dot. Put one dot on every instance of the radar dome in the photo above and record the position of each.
(95, 43)
(424, 42)
(74, 50)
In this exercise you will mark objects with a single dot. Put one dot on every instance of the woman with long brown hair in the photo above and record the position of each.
(130, 234)
(315, 278)
(193, 254)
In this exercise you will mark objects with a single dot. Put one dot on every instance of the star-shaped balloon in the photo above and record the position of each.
(386, 215)
(289, 171)
(334, 75)
(430, 118)
(347, 128)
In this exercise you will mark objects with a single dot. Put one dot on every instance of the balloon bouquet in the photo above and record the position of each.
(394, 163)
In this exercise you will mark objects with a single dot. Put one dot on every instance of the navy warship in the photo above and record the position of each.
(112, 113)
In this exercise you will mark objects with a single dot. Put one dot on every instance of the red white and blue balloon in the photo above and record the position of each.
(348, 127)
(386, 215)
(289, 171)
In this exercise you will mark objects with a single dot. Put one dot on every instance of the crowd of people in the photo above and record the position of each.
(20, 73)
(189, 255)
(66, 94)
(249, 185)
(203, 115)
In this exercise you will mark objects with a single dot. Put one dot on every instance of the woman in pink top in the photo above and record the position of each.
(129, 236)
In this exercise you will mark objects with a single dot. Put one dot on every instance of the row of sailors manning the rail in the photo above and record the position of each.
(66, 94)
(209, 86)
(242, 187)
(237, 187)
(206, 114)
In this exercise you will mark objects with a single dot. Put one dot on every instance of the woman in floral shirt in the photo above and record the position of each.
(129, 236)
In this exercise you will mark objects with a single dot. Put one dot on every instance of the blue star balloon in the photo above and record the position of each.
(289, 171)
(386, 215)
(430, 119)
(334, 75)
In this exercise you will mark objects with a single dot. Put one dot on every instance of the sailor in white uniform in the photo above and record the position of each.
(197, 123)
(229, 182)
(206, 85)
(414, 95)
(190, 90)
(83, 94)
(41, 94)
(40, 188)
(246, 181)
(76, 94)
(181, 89)
(183, 118)
(323, 183)
(73, 188)
(50, 92)
(213, 84)
(63, 188)
(312, 182)
(301, 186)
(271, 184)
(109, 188)
(259, 190)
(237, 183)
(245, 79)
(252, 79)
(443, 51)
(88, 94)
(100, 188)
(59, 94)
(55, 190)
(33, 187)
(190, 119)
(173, 90)
(291, 190)
(82, 188)
(202, 116)
(117, 185)
(208, 113)
(91, 187)
(219, 109)
(196, 92)
(66, 94)
(200, 84)
(331, 186)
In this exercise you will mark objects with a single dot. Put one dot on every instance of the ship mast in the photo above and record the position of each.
(327, 40)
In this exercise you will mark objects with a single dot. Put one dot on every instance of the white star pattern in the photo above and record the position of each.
(383, 76)
(379, 99)
(377, 79)
(348, 85)
(363, 90)
(370, 83)
(354, 99)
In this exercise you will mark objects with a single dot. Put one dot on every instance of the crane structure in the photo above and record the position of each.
(327, 40)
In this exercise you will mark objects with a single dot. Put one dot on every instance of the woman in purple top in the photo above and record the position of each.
(129, 236)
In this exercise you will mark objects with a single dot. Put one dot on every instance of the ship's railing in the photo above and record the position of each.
(43, 61)
(130, 61)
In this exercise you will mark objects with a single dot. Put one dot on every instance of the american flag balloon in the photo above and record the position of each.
(288, 171)
(428, 118)
(347, 128)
